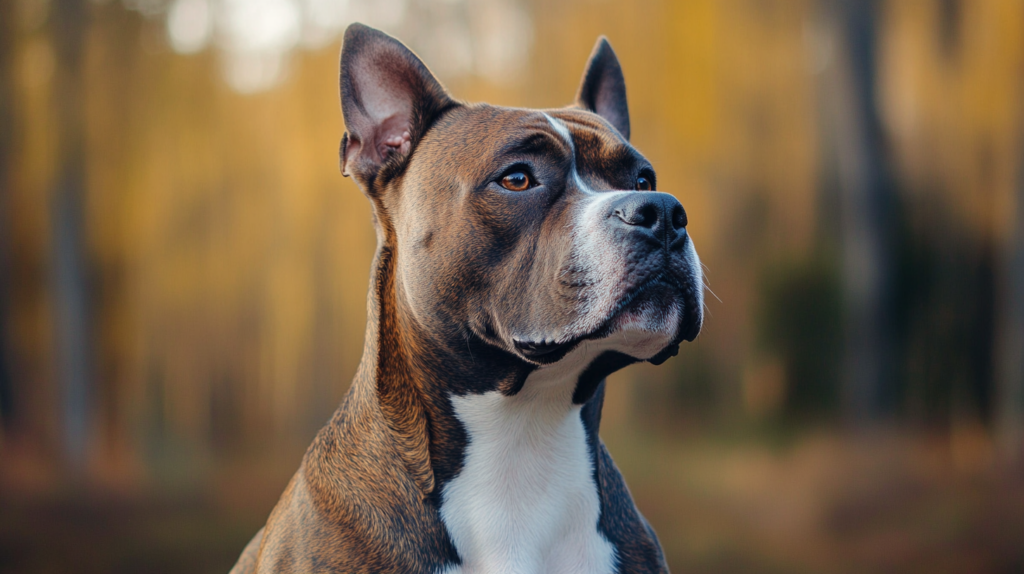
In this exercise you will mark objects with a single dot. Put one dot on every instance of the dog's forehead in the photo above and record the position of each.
(583, 124)
(492, 128)
(594, 141)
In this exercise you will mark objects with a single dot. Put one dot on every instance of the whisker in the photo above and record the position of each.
(712, 293)
(707, 282)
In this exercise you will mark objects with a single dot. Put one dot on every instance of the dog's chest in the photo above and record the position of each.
(525, 500)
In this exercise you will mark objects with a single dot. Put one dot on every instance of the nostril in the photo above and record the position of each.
(648, 215)
(678, 217)
(642, 215)
(623, 215)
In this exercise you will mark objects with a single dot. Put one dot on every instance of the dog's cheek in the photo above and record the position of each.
(428, 247)
(539, 296)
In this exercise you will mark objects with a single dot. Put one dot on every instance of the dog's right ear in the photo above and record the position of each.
(388, 97)
(603, 88)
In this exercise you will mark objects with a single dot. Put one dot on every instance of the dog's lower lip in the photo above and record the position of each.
(641, 290)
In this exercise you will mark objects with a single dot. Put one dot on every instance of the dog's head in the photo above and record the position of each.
(534, 231)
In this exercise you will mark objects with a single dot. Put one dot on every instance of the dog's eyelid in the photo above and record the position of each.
(647, 172)
(518, 166)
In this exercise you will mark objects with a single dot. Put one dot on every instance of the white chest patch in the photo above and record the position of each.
(525, 501)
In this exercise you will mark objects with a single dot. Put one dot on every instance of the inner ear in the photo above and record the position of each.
(603, 88)
(389, 99)
(393, 136)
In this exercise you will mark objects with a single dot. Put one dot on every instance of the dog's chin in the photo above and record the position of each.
(647, 327)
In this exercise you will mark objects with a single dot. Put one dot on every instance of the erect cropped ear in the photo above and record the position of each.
(389, 99)
(603, 88)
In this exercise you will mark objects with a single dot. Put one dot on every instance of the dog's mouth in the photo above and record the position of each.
(537, 350)
(662, 292)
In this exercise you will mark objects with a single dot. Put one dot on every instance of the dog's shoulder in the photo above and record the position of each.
(368, 518)
(636, 545)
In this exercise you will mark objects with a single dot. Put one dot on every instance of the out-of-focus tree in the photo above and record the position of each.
(950, 92)
(866, 206)
(69, 244)
(1010, 350)
(7, 114)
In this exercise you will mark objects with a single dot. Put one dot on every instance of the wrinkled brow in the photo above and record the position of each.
(537, 143)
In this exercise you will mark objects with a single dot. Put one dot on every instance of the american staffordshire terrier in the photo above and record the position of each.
(523, 255)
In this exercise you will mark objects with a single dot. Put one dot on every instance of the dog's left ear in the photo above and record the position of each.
(388, 97)
(603, 89)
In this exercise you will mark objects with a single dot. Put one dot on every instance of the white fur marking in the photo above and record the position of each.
(563, 130)
(525, 501)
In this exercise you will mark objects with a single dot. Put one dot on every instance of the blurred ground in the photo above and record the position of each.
(827, 504)
(822, 503)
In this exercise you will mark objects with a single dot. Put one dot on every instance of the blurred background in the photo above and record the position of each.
(183, 269)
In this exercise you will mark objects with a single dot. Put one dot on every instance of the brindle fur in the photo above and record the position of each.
(366, 496)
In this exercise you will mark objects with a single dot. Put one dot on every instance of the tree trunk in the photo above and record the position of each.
(866, 205)
(69, 243)
(7, 36)
(1009, 407)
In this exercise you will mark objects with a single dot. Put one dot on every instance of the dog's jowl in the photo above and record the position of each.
(523, 255)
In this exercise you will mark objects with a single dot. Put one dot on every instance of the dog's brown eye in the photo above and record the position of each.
(643, 184)
(517, 181)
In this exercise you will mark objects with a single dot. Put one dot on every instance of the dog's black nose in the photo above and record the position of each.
(657, 215)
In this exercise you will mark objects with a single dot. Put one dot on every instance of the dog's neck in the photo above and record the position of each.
(511, 466)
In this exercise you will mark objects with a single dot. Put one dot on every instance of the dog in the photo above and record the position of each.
(523, 255)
